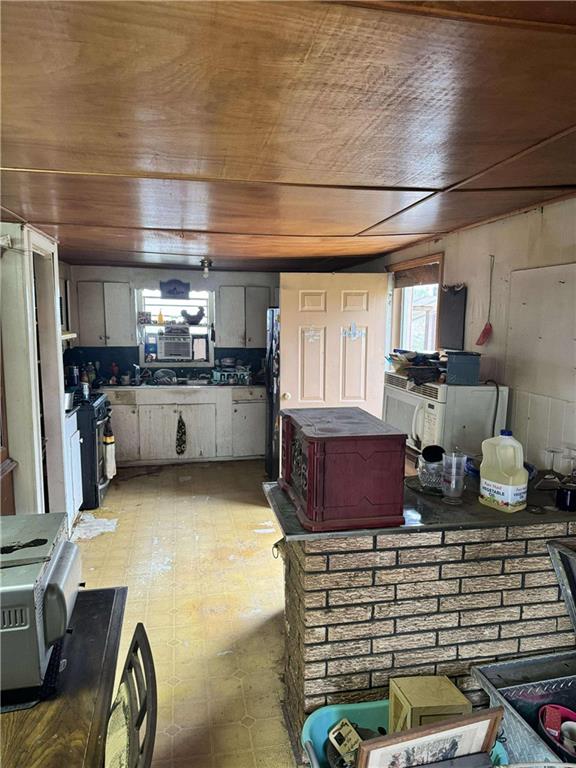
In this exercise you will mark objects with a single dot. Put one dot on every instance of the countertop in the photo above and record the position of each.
(147, 387)
(426, 513)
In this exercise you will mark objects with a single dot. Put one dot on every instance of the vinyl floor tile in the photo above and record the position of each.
(193, 543)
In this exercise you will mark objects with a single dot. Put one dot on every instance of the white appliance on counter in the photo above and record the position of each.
(40, 574)
(455, 417)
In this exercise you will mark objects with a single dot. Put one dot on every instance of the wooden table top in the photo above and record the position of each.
(70, 729)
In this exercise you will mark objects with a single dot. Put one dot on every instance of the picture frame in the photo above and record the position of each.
(445, 740)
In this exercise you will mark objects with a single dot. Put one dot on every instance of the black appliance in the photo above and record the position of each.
(273, 393)
(93, 415)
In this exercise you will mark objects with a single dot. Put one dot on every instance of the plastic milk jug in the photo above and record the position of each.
(503, 479)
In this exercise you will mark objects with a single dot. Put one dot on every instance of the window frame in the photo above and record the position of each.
(397, 308)
(176, 363)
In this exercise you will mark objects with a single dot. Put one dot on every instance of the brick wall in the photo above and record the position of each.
(362, 609)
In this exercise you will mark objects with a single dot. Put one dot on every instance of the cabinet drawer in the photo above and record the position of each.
(248, 394)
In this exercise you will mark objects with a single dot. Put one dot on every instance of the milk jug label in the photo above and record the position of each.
(507, 496)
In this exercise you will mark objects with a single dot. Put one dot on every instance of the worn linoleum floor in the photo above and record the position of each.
(193, 544)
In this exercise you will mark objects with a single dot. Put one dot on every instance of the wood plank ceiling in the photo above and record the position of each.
(303, 135)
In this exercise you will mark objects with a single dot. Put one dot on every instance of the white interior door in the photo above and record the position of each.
(332, 340)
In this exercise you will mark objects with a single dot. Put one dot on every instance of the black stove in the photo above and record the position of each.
(93, 416)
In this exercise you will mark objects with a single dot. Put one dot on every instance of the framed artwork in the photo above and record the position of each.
(458, 737)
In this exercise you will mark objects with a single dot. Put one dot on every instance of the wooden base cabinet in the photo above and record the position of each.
(158, 426)
(126, 428)
(222, 423)
(248, 429)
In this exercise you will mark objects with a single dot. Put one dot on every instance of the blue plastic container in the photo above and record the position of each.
(367, 714)
(463, 368)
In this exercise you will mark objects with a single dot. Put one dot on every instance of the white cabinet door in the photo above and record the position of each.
(76, 473)
(126, 432)
(231, 325)
(248, 428)
(257, 302)
(120, 315)
(92, 327)
(157, 426)
(200, 423)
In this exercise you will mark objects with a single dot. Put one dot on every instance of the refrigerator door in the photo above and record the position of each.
(273, 394)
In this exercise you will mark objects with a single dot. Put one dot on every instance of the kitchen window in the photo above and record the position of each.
(176, 331)
(415, 304)
(419, 308)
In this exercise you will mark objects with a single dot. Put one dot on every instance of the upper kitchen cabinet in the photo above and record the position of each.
(107, 315)
(241, 313)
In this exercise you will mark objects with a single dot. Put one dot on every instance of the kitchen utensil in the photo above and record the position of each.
(566, 497)
(429, 473)
(453, 466)
(433, 453)
(164, 376)
(486, 332)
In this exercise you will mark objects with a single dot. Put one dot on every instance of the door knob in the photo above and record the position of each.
(286, 396)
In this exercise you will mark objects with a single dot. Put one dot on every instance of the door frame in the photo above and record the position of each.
(33, 256)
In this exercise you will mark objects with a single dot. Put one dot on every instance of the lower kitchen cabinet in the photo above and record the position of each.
(158, 425)
(222, 423)
(248, 428)
(125, 425)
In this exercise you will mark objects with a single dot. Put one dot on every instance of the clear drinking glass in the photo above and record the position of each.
(453, 468)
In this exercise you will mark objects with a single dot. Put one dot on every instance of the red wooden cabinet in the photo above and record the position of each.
(342, 468)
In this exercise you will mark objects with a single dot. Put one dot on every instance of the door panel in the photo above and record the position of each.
(353, 362)
(200, 420)
(126, 432)
(157, 431)
(333, 332)
(312, 365)
(248, 429)
(231, 311)
(92, 329)
(119, 313)
(257, 303)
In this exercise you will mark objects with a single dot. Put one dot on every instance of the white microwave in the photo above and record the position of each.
(455, 417)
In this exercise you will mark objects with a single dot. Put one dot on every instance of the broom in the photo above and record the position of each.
(486, 332)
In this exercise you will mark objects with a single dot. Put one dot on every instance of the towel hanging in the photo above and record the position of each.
(109, 451)
(180, 435)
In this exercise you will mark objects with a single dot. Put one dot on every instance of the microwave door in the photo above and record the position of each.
(400, 411)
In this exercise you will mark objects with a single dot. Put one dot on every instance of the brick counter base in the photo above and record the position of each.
(362, 609)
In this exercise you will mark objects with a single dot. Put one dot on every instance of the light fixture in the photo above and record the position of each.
(205, 263)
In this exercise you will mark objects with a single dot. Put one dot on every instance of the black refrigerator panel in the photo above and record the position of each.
(273, 393)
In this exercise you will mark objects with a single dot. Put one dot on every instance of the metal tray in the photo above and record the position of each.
(521, 686)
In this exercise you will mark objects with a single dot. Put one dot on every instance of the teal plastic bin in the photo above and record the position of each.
(367, 714)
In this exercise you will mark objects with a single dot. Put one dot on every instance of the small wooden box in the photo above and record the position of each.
(424, 699)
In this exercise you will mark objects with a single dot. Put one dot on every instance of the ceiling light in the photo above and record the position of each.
(205, 264)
